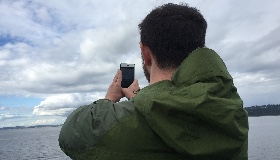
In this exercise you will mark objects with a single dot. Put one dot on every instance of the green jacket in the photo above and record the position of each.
(196, 115)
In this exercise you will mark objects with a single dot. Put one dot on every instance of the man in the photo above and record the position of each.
(190, 110)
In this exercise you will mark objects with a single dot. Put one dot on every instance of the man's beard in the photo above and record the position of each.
(146, 72)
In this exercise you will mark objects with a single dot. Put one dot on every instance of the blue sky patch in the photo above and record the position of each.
(4, 39)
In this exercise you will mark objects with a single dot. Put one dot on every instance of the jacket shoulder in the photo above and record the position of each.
(85, 126)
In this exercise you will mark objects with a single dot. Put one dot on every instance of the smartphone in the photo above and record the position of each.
(127, 74)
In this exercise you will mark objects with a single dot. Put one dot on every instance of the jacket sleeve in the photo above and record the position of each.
(87, 124)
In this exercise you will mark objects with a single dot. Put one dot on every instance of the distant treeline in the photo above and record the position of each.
(23, 127)
(264, 110)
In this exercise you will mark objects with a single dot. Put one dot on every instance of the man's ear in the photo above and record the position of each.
(146, 54)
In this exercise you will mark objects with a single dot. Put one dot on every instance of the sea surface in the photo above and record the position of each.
(42, 143)
(264, 138)
(31, 144)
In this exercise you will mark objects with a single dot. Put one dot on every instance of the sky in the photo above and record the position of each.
(58, 55)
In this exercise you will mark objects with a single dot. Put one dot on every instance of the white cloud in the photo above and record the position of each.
(64, 104)
(42, 15)
(104, 46)
(43, 121)
(10, 116)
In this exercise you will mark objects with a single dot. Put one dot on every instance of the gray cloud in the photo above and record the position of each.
(255, 56)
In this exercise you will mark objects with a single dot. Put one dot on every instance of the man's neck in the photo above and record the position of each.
(160, 75)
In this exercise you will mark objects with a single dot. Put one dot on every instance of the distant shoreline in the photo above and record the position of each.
(24, 127)
(264, 110)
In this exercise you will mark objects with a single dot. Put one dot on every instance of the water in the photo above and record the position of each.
(31, 144)
(264, 138)
(42, 144)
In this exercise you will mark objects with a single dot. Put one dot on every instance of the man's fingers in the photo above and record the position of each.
(135, 83)
(120, 75)
(117, 77)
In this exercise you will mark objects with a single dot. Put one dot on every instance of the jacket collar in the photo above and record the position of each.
(200, 64)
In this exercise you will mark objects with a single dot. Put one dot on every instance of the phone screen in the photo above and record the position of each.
(127, 75)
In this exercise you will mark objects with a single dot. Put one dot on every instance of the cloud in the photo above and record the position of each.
(20, 14)
(255, 56)
(81, 58)
(4, 117)
(14, 113)
(107, 45)
(63, 104)
(20, 116)
(43, 121)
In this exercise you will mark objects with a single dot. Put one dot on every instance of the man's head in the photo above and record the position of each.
(172, 32)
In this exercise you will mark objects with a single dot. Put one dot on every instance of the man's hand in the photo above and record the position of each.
(114, 92)
(131, 90)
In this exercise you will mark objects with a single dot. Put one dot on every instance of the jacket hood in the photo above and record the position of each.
(198, 112)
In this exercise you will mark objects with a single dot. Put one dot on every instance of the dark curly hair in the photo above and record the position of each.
(172, 32)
